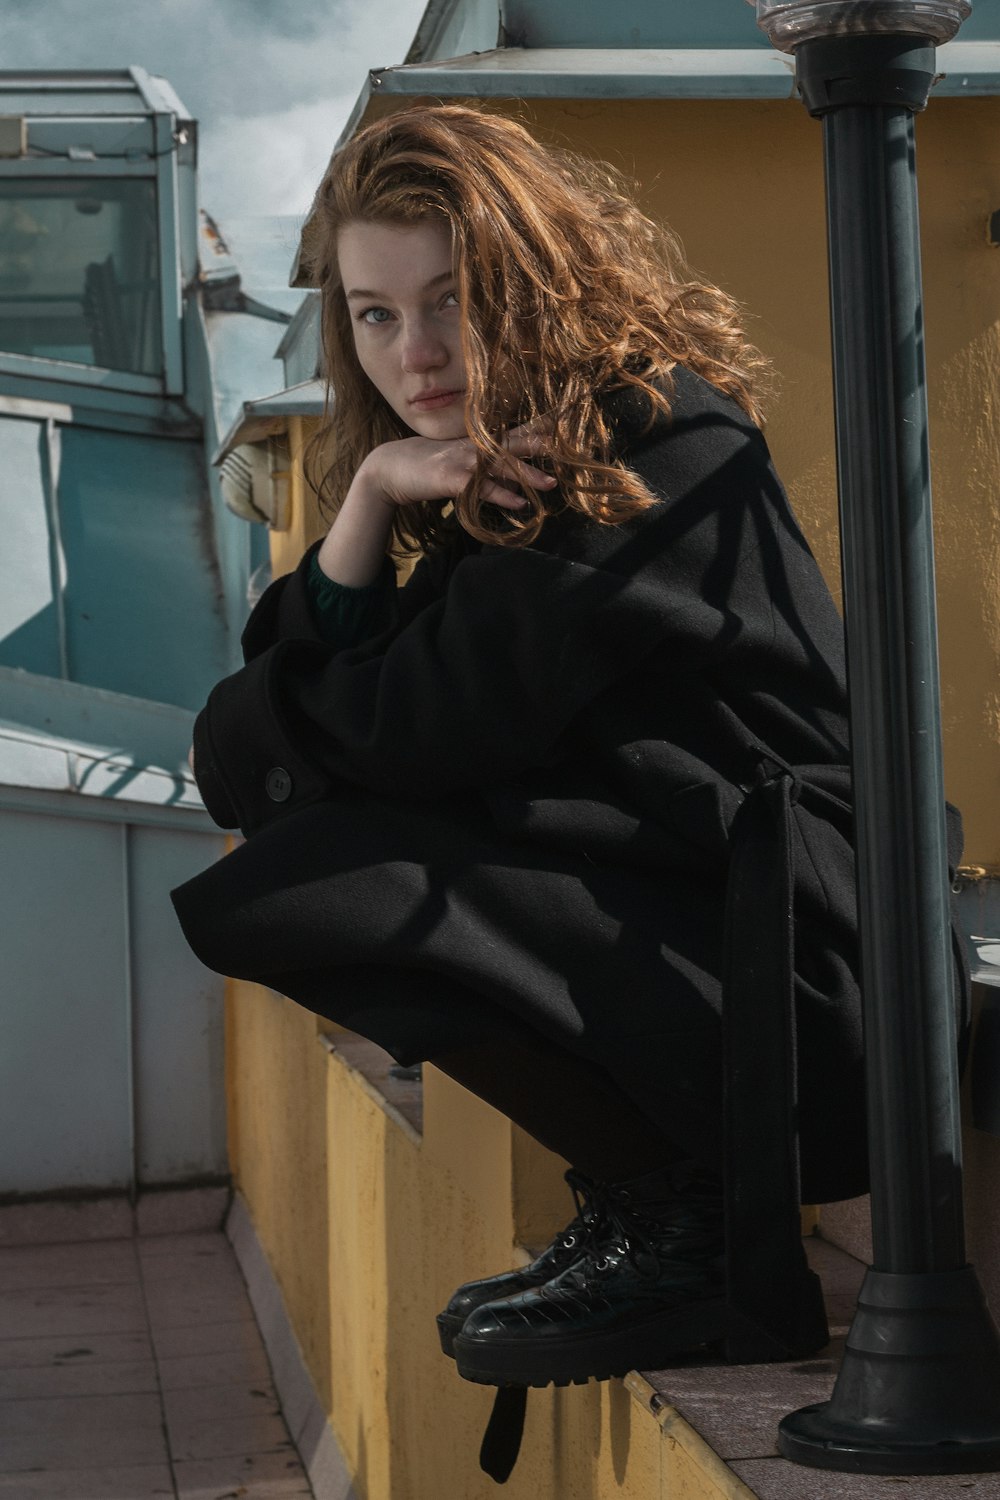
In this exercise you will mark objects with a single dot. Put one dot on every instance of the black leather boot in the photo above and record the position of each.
(567, 1247)
(649, 1286)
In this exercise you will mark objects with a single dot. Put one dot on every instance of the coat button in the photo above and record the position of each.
(278, 784)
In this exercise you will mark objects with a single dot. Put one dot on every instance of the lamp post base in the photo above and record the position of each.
(919, 1388)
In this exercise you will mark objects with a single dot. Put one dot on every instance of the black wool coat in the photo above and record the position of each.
(525, 795)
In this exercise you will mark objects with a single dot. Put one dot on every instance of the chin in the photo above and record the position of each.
(445, 426)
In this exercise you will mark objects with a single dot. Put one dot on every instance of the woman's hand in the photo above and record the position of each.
(413, 469)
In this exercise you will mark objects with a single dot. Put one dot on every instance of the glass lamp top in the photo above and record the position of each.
(788, 23)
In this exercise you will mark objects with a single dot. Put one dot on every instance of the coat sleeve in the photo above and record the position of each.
(479, 685)
(285, 611)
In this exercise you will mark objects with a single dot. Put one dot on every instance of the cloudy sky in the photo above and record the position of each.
(271, 81)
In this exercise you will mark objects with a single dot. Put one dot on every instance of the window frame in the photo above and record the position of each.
(157, 163)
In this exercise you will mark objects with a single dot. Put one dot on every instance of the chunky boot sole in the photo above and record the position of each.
(643, 1346)
(554, 1361)
(449, 1327)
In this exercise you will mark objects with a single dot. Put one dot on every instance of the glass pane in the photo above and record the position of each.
(79, 276)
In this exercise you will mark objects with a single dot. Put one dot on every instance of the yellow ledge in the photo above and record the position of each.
(362, 1205)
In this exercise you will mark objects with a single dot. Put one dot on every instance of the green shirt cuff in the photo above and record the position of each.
(347, 616)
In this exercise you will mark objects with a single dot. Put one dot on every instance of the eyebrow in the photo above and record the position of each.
(434, 281)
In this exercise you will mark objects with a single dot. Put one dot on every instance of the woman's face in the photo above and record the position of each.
(403, 301)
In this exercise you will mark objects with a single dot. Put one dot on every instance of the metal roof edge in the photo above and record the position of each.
(968, 68)
(303, 316)
(53, 802)
(39, 711)
(702, 73)
(159, 94)
(45, 761)
(265, 414)
(584, 72)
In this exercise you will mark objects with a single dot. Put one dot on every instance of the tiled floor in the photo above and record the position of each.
(133, 1368)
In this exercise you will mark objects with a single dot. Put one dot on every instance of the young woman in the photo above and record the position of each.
(534, 814)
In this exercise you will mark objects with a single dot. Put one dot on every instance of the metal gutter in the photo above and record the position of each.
(269, 414)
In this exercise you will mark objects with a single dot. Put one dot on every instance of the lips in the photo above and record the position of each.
(431, 400)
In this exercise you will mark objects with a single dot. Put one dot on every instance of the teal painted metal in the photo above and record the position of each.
(95, 407)
(450, 28)
(111, 1070)
(49, 718)
(97, 92)
(454, 28)
(122, 597)
(170, 271)
(125, 517)
(27, 597)
(56, 167)
(63, 1064)
(640, 24)
(111, 1064)
(177, 1017)
(586, 73)
(93, 379)
(299, 350)
(135, 624)
(967, 68)
(119, 809)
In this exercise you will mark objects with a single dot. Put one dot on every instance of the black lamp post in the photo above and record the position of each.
(919, 1388)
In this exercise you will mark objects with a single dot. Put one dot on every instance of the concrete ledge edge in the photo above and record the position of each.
(335, 1053)
(723, 1482)
(307, 1420)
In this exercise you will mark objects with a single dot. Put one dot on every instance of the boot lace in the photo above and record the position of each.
(611, 1226)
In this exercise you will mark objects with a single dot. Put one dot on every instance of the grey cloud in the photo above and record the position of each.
(292, 66)
(222, 56)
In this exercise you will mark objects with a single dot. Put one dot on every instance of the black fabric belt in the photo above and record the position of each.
(761, 1164)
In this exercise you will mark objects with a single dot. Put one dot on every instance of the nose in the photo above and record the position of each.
(422, 349)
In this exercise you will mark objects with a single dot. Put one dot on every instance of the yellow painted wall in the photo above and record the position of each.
(306, 525)
(368, 1230)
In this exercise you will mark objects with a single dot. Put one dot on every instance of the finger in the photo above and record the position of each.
(538, 444)
(525, 474)
(540, 426)
(512, 467)
(506, 499)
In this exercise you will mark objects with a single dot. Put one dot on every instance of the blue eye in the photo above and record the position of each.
(375, 315)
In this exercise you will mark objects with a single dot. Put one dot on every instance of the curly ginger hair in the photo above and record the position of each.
(567, 291)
